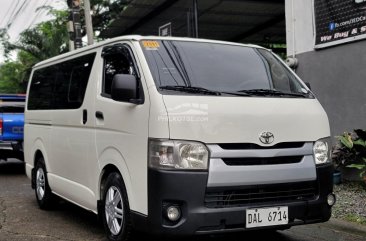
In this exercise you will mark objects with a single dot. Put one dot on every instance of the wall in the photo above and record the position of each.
(337, 74)
(338, 77)
(299, 26)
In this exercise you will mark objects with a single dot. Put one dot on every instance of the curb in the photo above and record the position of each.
(349, 227)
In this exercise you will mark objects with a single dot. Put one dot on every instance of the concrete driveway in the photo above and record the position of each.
(21, 219)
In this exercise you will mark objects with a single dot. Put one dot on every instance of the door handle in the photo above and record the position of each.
(99, 115)
(85, 116)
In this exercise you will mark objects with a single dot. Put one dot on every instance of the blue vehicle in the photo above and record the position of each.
(11, 126)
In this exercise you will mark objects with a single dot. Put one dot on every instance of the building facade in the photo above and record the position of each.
(328, 40)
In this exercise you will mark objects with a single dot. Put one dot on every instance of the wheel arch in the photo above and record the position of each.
(111, 161)
(38, 150)
(107, 170)
(37, 155)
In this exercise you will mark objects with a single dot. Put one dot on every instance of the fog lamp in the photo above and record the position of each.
(331, 199)
(173, 213)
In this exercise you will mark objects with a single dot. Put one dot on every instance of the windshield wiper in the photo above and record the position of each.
(266, 92)
(190, 89)
(235, 93)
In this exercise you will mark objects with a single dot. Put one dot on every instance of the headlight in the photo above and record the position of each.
(168, 154)
(321, 151)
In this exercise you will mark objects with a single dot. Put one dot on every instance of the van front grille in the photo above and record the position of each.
(262, 161)
(260, 194)
(251, 146)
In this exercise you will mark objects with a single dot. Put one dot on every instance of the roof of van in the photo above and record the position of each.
(136, 38)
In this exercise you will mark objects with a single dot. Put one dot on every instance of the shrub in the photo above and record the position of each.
(350, 151)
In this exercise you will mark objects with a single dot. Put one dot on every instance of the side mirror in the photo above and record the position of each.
(125, 88)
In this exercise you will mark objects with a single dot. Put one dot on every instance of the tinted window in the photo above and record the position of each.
(114, 64)
(117, 61)
(217, 67)
(40, 93)
(71, 81)
(61, 86)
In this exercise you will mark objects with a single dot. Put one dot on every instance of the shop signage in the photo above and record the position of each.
(339, 21)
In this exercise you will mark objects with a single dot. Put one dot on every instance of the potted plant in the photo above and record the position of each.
(342, 154)
(359, 145)
(350, 152)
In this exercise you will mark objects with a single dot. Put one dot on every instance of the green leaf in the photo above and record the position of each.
(357, 166)
(360, 142)
(346, 140)
(362, 173)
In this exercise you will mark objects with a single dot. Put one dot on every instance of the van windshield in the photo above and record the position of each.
(219, 69)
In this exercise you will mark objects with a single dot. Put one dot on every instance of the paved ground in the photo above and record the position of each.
(20, 219)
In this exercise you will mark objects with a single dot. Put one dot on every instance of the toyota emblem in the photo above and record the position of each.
(266, 137)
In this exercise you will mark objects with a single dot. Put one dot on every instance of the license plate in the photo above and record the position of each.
(261, 217)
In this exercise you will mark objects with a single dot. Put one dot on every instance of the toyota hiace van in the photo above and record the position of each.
(178, 136)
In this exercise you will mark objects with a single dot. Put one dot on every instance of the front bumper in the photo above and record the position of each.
(187, 189)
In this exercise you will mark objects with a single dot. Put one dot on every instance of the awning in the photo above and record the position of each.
(249, 21)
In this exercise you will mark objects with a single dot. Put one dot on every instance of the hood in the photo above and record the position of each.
(213, 119)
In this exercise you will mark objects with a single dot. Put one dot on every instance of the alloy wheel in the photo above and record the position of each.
(40, 183)
(114, 210)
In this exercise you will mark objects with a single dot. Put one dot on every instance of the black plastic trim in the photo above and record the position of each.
(187, 189)
(251, 146)
(254, 161)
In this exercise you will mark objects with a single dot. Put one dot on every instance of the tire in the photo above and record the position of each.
(44, 195)
(115, 209)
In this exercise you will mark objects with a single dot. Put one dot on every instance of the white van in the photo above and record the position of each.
(178, 136)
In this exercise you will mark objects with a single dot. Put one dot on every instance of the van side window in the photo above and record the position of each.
(78, 81)
(40, 94)
(71, 81)
(61, 86)
(115, 63)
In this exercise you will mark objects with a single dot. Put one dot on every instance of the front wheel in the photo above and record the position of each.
(116, 211)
